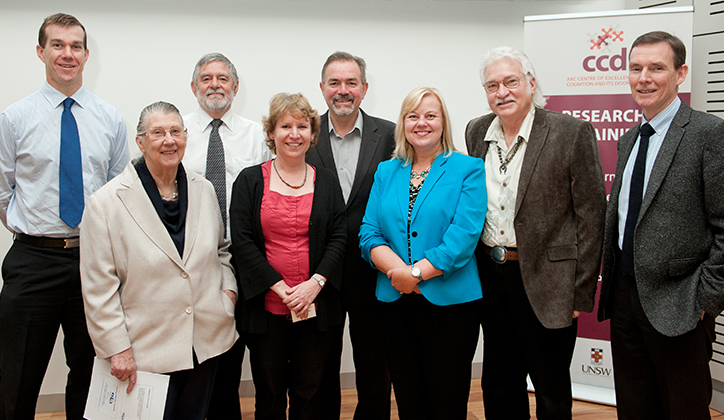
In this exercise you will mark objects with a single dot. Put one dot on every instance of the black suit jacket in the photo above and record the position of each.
(378, 142)
(679, 236)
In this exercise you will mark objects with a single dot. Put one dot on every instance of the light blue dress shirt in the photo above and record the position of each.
(660, 123)
(30, 151)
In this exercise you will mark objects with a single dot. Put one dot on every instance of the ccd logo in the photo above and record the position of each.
(605, 62)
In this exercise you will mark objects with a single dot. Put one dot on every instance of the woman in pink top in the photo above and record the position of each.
(289, 232)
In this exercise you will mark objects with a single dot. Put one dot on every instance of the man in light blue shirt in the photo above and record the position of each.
(663, 255)
(41, 271)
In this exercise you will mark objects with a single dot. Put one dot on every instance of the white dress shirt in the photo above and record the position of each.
(30, 157)
(244, 145)
(660, 123)
(346, 154)
(502, 187)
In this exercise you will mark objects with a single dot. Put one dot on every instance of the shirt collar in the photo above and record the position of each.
(357, 124)
(205, 119)
(495, 132)
(56, 98)
(663, 119)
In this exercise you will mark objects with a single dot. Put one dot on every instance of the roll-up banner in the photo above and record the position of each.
(581, 61)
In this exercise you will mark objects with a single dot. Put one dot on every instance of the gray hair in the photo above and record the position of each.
(526, 67)
(210, 58)
(343, 56)
(155, 108)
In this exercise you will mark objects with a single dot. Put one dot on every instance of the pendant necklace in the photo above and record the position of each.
(504, 162)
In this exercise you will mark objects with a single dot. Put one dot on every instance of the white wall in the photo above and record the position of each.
(144, 51)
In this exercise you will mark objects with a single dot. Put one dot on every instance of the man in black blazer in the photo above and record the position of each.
(663, 252)
(352, 144)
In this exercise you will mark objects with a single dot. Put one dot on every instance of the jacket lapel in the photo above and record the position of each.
(437, 170)
(536, 142)
(368, 148)
(663, 160)
(324, 149)
(139, 206)
(192, 213)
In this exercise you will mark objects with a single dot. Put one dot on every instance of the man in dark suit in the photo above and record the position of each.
(663, 252)
(540, 250)
(352, 144)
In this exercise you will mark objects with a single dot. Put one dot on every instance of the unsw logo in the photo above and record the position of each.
(596, 367)
(596, 356)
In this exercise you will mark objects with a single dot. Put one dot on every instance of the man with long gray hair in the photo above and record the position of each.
(540, 250)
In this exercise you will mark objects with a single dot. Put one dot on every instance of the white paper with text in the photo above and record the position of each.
(107, 398)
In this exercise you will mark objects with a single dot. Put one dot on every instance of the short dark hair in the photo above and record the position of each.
(660, 36)
(64, 21)
(343, 56)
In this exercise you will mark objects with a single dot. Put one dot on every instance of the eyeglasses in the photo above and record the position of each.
(160, 133)
(510, 83)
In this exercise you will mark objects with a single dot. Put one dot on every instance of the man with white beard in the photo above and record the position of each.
(221, 144)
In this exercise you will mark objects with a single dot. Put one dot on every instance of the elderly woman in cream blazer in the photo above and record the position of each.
(158, 288)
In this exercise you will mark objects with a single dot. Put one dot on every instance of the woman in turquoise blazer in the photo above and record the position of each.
(424, 217)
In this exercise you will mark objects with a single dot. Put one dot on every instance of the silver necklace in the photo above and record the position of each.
(173, 196)
(504, 162)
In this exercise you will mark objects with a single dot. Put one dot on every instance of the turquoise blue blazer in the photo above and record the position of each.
(447, 220)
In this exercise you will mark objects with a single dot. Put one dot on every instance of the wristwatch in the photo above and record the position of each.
(415, 271)
(319, 279)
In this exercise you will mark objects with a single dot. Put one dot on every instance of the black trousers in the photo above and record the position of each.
(516, 345)
(657, 377)
(224, 404)
(41, 293)
(189, 391)
(288, 358)
(430, 350)
(372, 375)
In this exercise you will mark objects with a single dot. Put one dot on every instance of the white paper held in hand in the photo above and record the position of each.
(107, 397)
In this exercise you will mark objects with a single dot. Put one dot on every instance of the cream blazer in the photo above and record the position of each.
(139, 293)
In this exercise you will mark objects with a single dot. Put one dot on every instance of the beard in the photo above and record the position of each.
(214, 104)
(342, 112)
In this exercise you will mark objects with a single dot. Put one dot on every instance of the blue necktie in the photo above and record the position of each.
(71, 168)
(634, 201)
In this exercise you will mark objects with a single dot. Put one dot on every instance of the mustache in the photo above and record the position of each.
(504, 100)
(346, 97)
(212, 91)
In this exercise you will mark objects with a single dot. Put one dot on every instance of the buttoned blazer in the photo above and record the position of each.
(446, 222)
(378, 143)
(679, 235)
(559, 211)
(139, 293)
